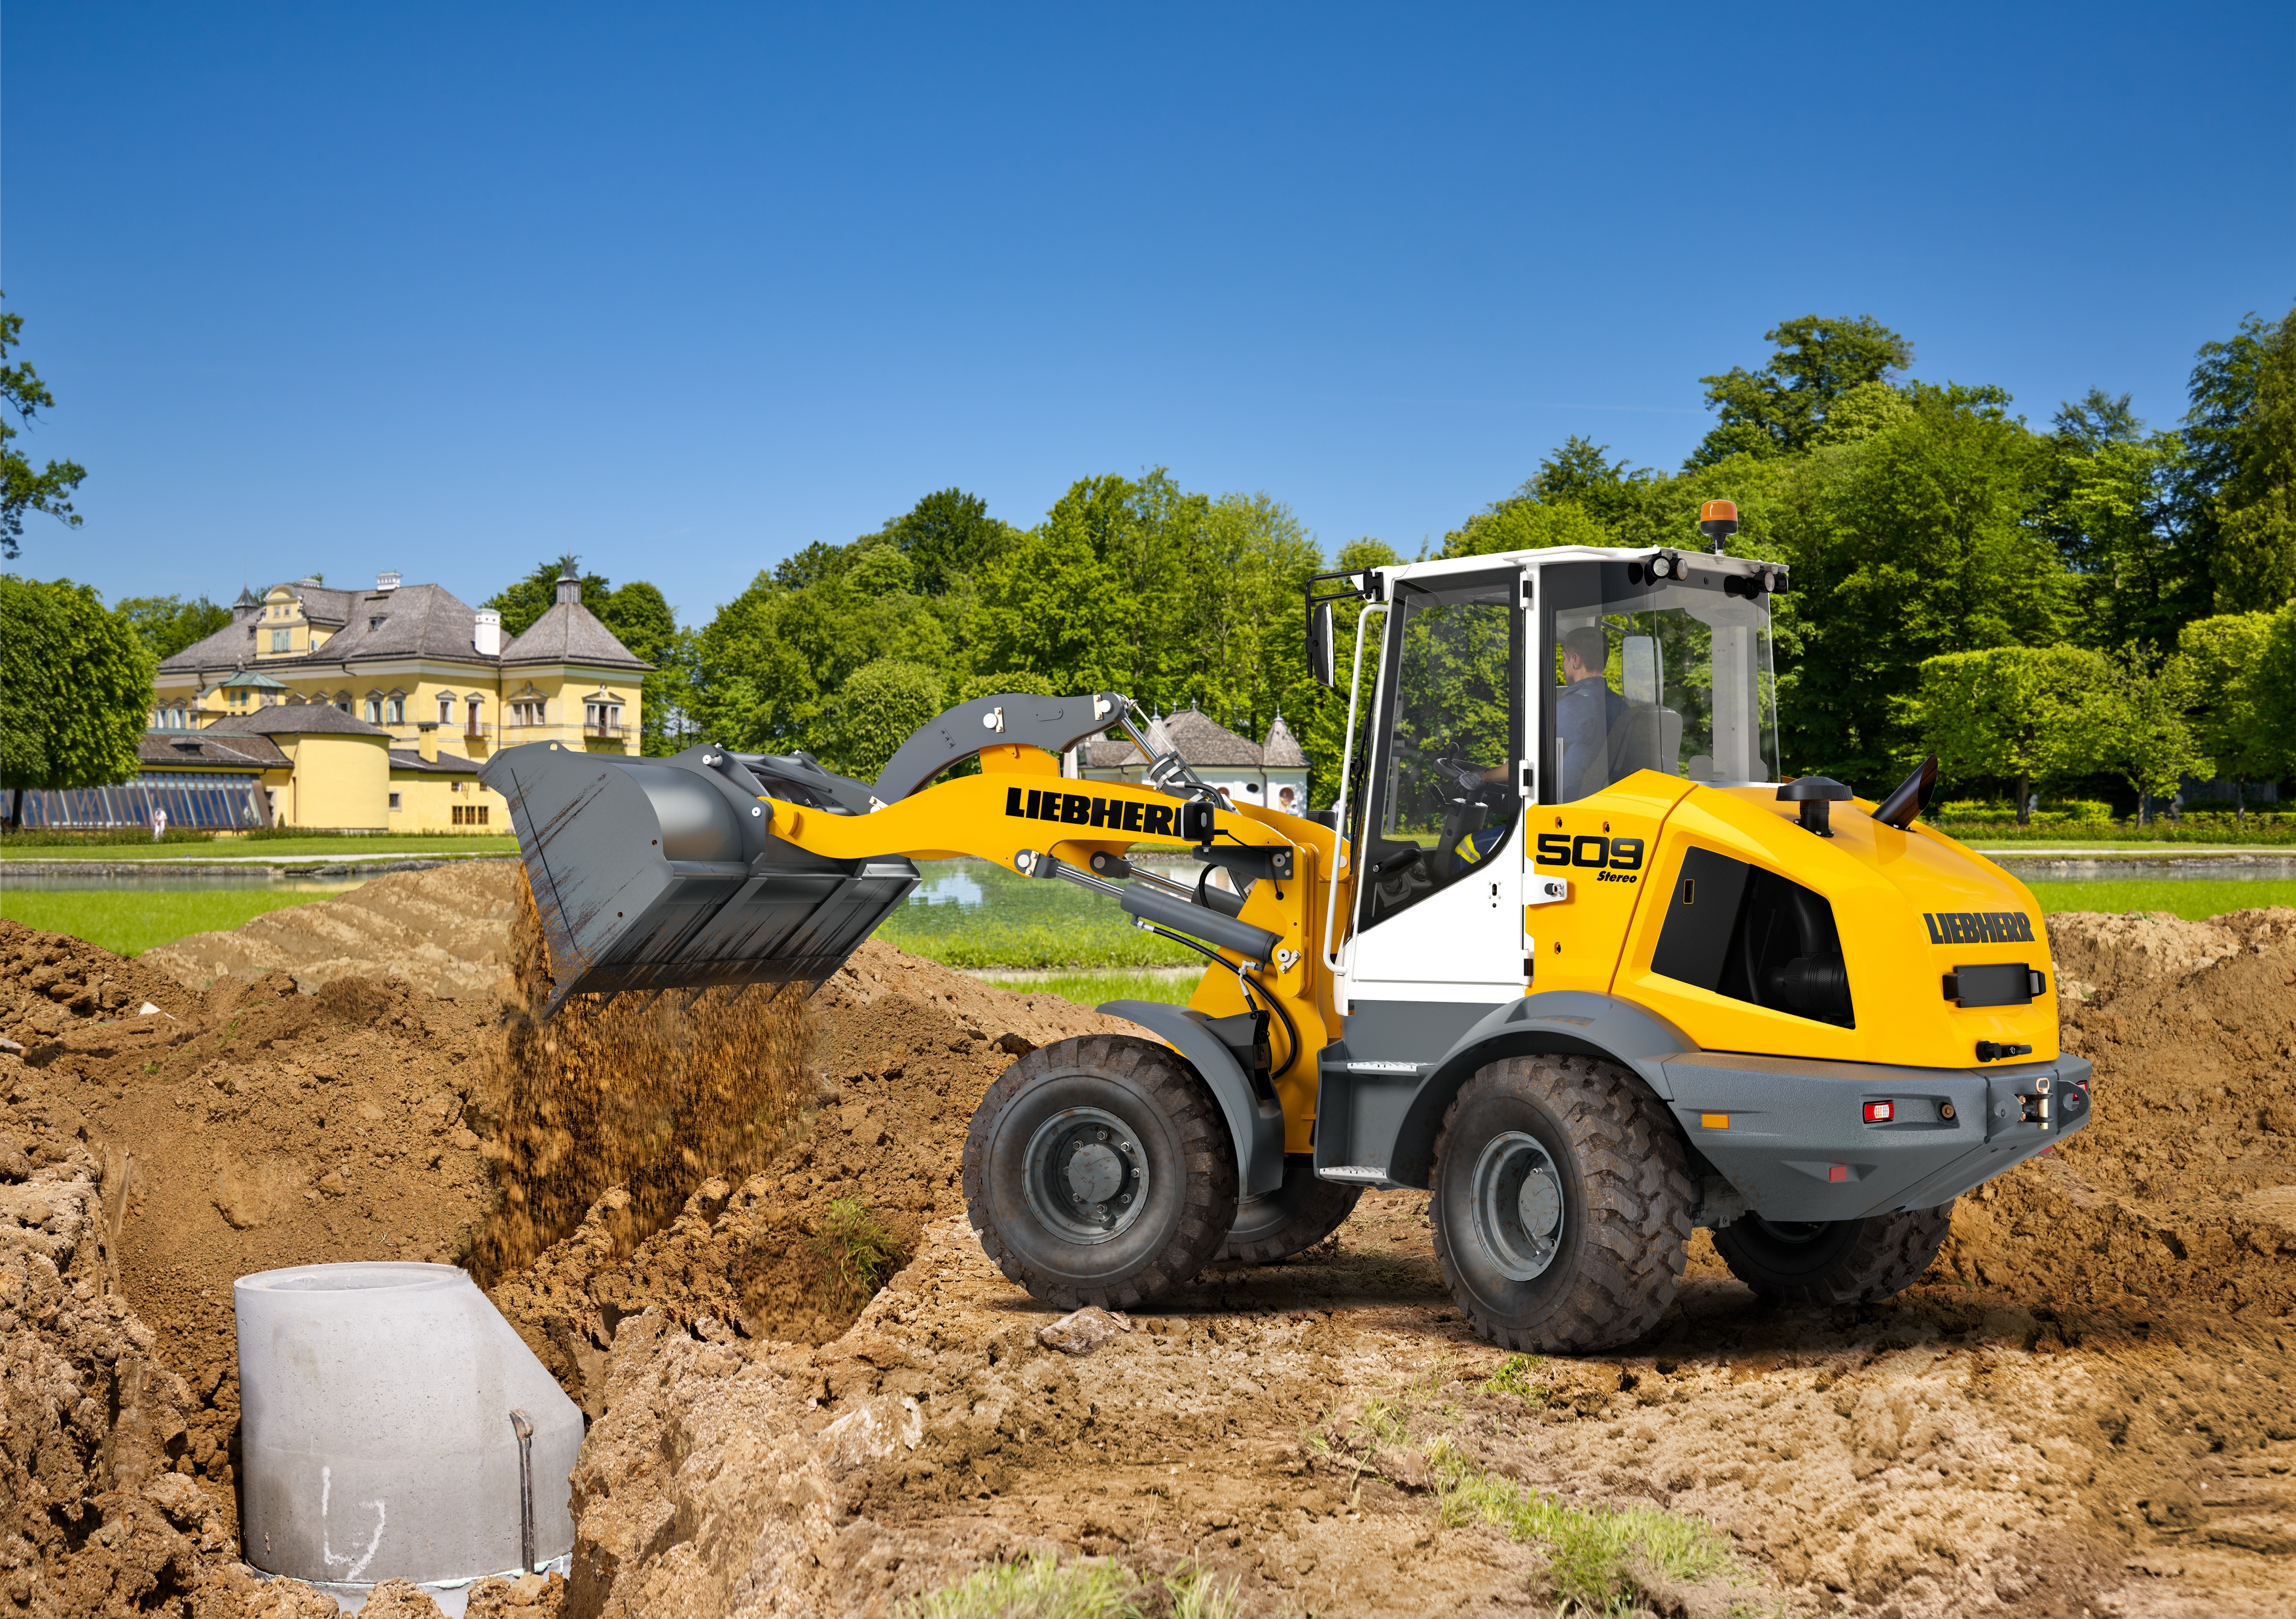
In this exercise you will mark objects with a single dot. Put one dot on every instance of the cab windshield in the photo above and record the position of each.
(1671, 676)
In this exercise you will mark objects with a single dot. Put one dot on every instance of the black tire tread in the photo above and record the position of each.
(1639, 1201)
(1323, 1208)
(1887, 1255)
(1196, 1119)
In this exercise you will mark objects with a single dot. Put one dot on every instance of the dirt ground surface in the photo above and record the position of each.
(2084, 1407)
(446, 931)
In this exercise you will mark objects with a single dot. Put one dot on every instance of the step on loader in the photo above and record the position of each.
(1566, 953)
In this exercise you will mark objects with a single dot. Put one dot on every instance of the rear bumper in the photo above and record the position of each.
(1792, 1135)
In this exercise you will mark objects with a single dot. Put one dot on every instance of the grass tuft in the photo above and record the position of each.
(1596, 1554)
(1513, 1377)
(1042, 1587)
(860, 1252)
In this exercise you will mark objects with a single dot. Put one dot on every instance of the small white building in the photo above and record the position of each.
(1273, 773)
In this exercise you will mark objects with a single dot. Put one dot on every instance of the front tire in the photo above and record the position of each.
(1099, 1170)
(1295, 1216)
(1562, 1205)
(1834, 1261)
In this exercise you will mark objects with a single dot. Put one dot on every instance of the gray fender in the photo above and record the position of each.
(1563, 1020)
(1255, 1123)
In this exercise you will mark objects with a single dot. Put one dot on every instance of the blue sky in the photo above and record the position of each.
(450, 288)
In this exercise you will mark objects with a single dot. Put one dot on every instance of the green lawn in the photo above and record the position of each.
(1092, 988)
(1024, 921)
(128, 922)
(381, 847)
(2194, 900)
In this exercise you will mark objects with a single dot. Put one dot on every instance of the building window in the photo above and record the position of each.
(394, 710)
(477, 727)
(279, 641)
(604, 718)
(528, 712)
(473, 814)
(394, 801)
(445, 711)
(374, 711)
(343, 703)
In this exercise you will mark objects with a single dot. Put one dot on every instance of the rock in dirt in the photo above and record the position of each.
(1082, 1331)
(446, 931)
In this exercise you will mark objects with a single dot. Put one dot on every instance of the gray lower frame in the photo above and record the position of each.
(1796, 1125)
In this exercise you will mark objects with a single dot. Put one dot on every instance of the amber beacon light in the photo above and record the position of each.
(1717, 521)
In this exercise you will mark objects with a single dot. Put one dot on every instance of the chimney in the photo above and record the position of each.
(426, 741)
(386, 581)
(487, 635)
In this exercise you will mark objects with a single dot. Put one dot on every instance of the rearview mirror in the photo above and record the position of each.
(1319, 645)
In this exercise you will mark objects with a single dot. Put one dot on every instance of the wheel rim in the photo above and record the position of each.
(1518, 1205)
(1087, 1174)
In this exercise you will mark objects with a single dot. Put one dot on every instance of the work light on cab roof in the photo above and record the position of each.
(1568, 950)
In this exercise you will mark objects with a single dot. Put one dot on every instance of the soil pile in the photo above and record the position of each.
(2184, 1186)
(50, 982)
(902, 1050)
(255, 1127)
(446, 931)
(100, 1509)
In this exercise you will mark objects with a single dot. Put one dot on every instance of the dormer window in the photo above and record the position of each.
(376, 623)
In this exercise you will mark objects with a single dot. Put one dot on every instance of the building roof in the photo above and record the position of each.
(413, 621)
(445, 764)
(1282, 750)
(294, 719)
(256, 679)
(1199, 740)
(177, 749)
(571, 632)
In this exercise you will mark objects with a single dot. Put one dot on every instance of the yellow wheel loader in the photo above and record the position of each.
(1566, 953)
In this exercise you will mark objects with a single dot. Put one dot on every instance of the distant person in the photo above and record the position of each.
(158, 824)
(1585, 714)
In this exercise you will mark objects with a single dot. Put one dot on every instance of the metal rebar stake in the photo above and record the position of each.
(522, 1426)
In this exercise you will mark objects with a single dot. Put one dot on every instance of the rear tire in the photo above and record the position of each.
(1295, 1216)
(1099, 1170)
(1562, 1205)
(1834, 1261)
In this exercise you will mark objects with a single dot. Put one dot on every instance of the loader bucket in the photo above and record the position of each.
(664, 874)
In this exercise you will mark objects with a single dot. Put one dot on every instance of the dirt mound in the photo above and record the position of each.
(50, 982)
(2122, 949)
(446, 931)
(256, 1128)
(100, 1512)
(2185, 1185)
(903, 1050)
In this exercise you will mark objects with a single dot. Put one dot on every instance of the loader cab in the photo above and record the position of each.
(1485, 686)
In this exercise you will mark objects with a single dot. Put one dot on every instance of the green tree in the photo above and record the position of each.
(949, 536)
(2224, 662)
(2272, 682)
(879, 706)
(1783, 408)
(75, 688)
(2108, 501)
(2254, 512)
(2136, 726)
(170, 623)
(22, 489)
(1910, 543)
(2007, 713)
(520, 604)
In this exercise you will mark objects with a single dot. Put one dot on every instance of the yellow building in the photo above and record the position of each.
(427, 688)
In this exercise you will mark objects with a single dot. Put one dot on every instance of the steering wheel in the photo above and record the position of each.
(1468, 776)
